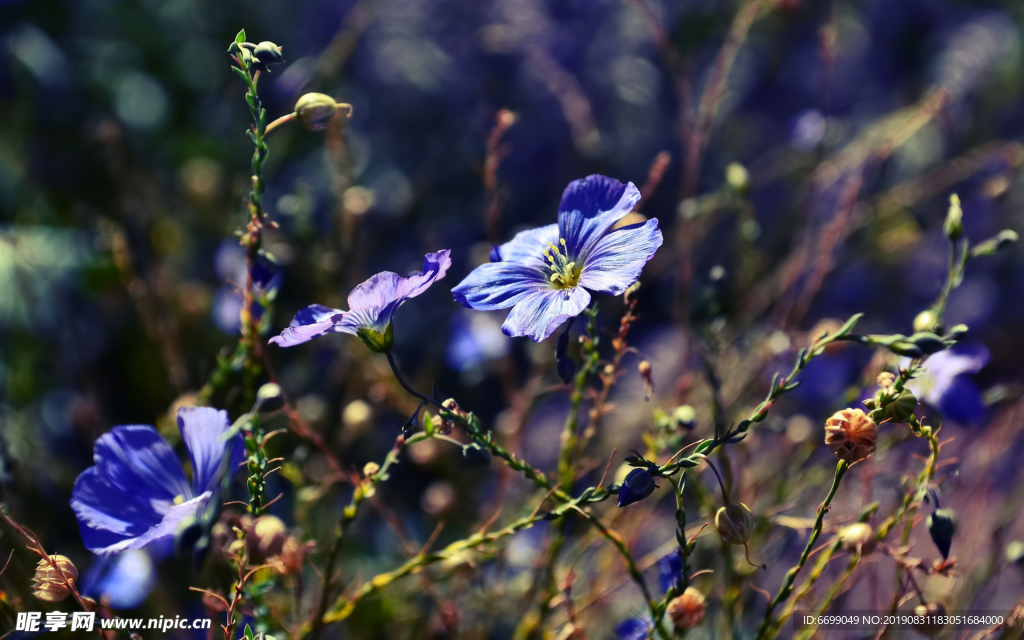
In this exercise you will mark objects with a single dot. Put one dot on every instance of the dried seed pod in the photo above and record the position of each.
(48, 584)
(687, 610)
(858, 536)
(734, 523)
(851, 435)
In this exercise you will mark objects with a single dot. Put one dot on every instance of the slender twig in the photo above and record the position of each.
(787, 584)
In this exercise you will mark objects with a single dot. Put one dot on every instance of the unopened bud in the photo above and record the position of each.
(268, 53)
(645, 373)
(1015, 553)
(370, 468)
(859, 537)
(954, 226)
(686, 611)
(989, 247)
(885, 379)
(925, 321)
(851, 435)
(269, 398)
(929, 618)
(942, 527)
(266, 538)
(737, 177)
(685, 416)
(474, 454)
(734, 523)
(49, 584)
(316, 110)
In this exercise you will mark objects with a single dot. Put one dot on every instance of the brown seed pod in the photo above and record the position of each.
(851, 435)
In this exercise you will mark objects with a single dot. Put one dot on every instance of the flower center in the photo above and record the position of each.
(566, 274)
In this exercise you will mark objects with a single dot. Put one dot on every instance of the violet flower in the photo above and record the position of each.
(946, 385)
(136, 496)
(544, 274)
(372, 304)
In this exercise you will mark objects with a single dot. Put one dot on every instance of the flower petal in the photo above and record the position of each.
(618, 258)
(312, 322)
(387, 287)
(435, 266)
(499, 285)
(541, 312)
(202, 429)
(107, 515)
(371, 318)
(124, 581)
(527, 247)
(137, 460)
(962, 402)
(589, 209)
(159, 539)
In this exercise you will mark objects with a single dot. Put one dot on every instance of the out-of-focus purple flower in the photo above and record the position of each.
(543, 274)
(670, 570)
(808, 130)
(136, 495)
(946, 385)
(124, 580)
(633, 629)
(372, 304)
(231, 267)
(476, 338)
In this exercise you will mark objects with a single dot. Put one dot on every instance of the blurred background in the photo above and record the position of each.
(799, 157)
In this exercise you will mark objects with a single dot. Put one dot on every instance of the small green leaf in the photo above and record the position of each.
(240, 38)
(248, 632)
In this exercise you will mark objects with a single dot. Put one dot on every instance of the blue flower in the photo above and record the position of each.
(371, 307)
(476, 339)
(633, 629)
(946, 386)
(136, 495)
(544, 274)
(670, 570)
(231, 267)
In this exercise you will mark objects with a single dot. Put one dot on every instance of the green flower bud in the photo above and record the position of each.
(269, 398)
(266, 538)
(899, 410)
(954, 226)
(737, 177)
(315, 111)
(989, 247)
(268, 53)
(685, 416)
(858, 536)
(734, 523)
(377, 342)
(931, 615)
(1015, 553)
(926, 321)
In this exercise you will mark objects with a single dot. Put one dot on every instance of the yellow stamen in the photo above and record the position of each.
(565, 275)
(179, 499)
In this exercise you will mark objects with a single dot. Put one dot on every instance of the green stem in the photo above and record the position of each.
(787, 584)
